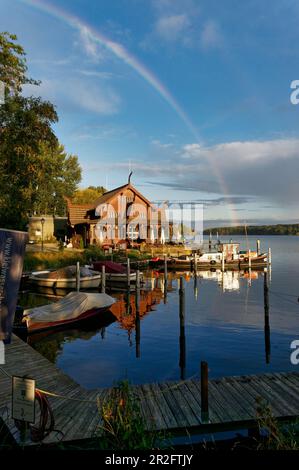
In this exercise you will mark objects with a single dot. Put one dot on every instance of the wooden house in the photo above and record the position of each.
(119, 217)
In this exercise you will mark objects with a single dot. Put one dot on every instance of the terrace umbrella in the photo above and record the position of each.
(152, 236)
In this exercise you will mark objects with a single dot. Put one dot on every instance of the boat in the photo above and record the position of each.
(74, 307)
(115, 272)
(65, 278)
(233, 259)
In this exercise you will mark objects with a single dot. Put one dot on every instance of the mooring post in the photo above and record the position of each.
(267, 319)
(204, 382)
(269, 258)
(137, 317)
(195, 263)
(103, 279)
(128, 274)
(222, 261)
(210, 241)
(249, 259)
(258, 247)
(78, 276)
(165, 279)
(195, 286)
(165, 269)
(182, 362)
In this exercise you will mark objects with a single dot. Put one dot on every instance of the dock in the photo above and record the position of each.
(174, 407)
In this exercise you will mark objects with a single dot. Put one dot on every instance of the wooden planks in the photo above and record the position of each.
(167, 406)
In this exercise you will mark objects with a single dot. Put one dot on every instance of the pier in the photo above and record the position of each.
(175, 407)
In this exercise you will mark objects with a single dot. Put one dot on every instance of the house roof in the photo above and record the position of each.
(82, 213)
(110, 194)
(77, 213)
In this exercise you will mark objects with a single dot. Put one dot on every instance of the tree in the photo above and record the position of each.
(88, 195)
(58, 176)
(13, 66)
(35, 172)
(25, 123)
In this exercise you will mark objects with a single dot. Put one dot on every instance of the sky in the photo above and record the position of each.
(193, 96)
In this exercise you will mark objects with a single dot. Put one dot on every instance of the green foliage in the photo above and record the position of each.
(94, 252)
(123, 425)
(279, 229)
(88, 195)
(58, 175)
(35, 172)
(24, 123)
(13, 66)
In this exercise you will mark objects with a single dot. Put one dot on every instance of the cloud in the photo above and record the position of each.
(174, 23)
(267, 170)
(172, 28)
(90, 46)
(161, 145)
(211, 36)
(73, 94)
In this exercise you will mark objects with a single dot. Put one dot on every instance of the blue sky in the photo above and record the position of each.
(193, 96)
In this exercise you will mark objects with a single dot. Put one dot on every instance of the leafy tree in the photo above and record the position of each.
(25, 123)
(35, 172)
(13, 66)
(88, 195)
(58, 176)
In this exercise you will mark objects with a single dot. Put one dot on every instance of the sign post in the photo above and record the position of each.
(23, 399)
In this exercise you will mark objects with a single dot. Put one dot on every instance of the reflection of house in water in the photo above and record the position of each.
(125, 308)
(228, 280)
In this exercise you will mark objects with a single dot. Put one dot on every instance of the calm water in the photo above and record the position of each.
(224, 325)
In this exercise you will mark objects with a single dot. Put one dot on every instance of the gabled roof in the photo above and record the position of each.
(82, 213)
(110, 194)
(77, 213)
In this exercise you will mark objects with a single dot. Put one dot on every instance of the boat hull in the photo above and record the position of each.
(33, 327)
(67, 283)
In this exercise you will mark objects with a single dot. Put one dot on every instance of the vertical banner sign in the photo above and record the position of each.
(12, 249)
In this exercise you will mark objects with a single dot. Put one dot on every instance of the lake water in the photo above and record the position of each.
(224, 325)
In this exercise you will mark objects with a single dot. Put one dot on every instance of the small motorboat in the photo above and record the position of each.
(74, 307)
(115, 272)
(65, 278)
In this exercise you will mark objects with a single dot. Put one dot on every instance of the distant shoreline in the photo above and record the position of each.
(279, 229)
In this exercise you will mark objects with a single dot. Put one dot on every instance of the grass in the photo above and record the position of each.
(275, 436)
(37, 261)
(123, 426)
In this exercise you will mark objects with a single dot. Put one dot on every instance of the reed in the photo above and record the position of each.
(123, 426)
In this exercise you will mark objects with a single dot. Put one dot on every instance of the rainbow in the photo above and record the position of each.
(124, 55)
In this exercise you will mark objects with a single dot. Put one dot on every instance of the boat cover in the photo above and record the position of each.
(72, 306)
(110, 267)
(68, 272)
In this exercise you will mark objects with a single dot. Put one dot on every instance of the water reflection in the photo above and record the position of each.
(168, 344)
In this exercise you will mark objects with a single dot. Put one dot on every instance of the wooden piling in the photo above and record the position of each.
(222, 262)
(182, 361)
(128, 274)
(103, 283)
(258, 247)
(267, 319)
(249, 259)
(210, 241)
(204, 380)
(137, 317)
(78, 276)
(165, 268)
(269, 258)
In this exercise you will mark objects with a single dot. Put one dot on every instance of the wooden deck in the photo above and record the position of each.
(169, 406)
